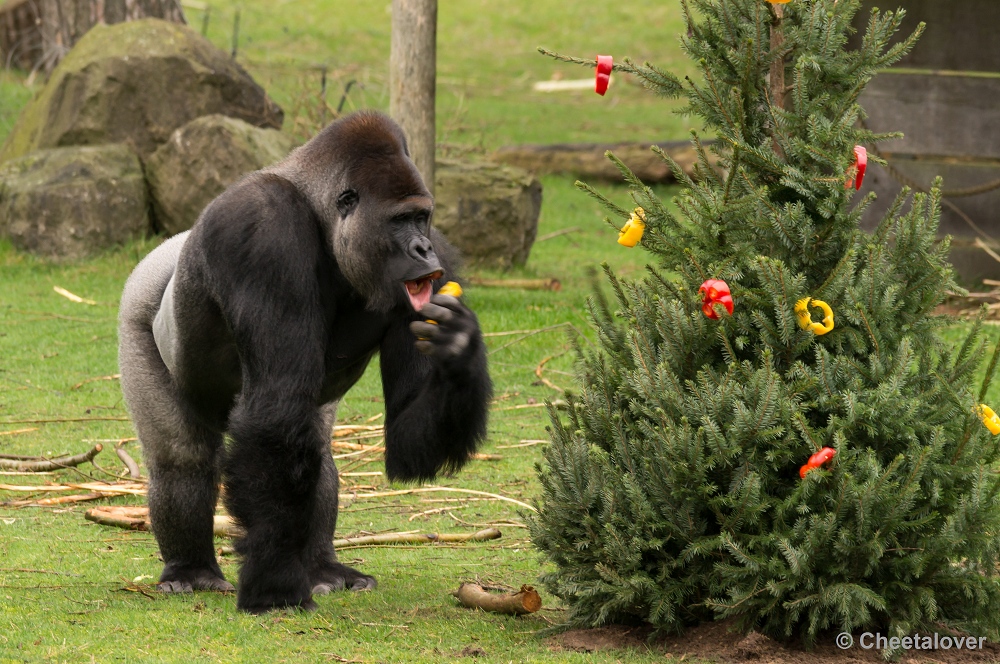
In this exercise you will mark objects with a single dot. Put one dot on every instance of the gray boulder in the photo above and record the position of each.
(200, 160)
(136, 83)
(68, 203)
(488, 210)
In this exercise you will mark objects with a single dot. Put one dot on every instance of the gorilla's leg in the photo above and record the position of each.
(325, 573)
(181, 455)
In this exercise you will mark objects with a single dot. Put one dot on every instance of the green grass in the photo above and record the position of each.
(76, 592)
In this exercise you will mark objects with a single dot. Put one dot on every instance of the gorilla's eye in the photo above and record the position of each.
(346, 202)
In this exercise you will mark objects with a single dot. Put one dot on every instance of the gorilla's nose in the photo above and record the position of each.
(420, 247)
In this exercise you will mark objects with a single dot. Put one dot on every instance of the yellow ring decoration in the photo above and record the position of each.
(631, 232)
(989, 418)
(805, 319)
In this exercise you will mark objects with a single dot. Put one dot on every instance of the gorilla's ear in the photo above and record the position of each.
(346, 202)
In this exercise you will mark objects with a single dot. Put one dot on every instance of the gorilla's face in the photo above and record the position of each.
(376, 209)
(413, 262)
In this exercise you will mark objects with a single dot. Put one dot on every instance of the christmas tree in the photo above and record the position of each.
(772, 429)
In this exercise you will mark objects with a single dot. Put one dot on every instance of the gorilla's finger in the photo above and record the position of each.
(449, 301)
(424, 330)
(425, 347)
(437, 313)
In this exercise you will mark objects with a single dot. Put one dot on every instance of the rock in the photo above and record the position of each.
(487, 210)
(135, 83)
(200, 160)
(73, 202)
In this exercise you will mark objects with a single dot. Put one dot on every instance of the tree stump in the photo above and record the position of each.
(36, 34)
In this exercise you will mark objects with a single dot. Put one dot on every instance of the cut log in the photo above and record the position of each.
(587, 160)
(474, 596)
(549, 284)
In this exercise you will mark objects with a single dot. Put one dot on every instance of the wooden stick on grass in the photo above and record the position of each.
(526, 600)
(133, 467)
(545, 381)
(39, 464)
(549, 284)
(384, 539)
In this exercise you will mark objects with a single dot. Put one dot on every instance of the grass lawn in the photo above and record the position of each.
(73, 591)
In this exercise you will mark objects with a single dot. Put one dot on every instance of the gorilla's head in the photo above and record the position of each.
(358, 175)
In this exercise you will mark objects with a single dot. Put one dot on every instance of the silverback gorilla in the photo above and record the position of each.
(257, 321)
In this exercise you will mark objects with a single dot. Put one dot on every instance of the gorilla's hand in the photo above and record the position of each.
(450, 338)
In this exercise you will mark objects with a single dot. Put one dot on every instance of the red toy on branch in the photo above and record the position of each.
(817, 460)
(715, 291)
(856, 171)
(605, 63)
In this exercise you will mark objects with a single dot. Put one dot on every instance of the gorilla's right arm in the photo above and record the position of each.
(436, 399)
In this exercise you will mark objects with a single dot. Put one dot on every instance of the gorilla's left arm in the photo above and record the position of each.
(437, 390)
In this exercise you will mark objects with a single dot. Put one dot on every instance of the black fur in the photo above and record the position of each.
(283, 291)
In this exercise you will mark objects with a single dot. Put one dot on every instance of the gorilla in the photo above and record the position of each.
(253, 325)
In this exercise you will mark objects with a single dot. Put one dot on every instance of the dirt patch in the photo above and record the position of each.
(714, 642)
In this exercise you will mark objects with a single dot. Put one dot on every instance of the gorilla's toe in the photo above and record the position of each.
(174, 587)
(217, 585)
(335, 576)
(185, 580)
(364, 583)
(327, 588)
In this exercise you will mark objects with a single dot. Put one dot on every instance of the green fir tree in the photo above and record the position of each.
(672, 491)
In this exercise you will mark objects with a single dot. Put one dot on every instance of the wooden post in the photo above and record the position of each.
(412, 72)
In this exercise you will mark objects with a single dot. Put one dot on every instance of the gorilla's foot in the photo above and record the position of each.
(265, 606)
(189, 579)
(332, 576)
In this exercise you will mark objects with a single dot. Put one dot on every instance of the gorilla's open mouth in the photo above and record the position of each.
(419, 290)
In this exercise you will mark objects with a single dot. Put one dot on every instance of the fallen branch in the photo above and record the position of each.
(479, 456)
(415, 538)
(545, 381)
(558, 403)
(73, 297)
(58, 500)
(474, 596)
(105, 488)
(524, 443)
(17, 431)
(428, 489)
(385, 539)
(94, 380)
(133, 467)
(60, 420)
(120, 516)
(549, 284)
(349, 429)
(564, 231)
(136, 517)
(41, 464)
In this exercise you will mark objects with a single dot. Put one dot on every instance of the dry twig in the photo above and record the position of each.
(429, 489)
(41, 464)
(384, 539)
(545, 381)
(94, 380)
(17, 431)
(133, 467)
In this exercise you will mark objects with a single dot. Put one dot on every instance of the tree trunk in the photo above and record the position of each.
(37, 34)
(412, 71)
